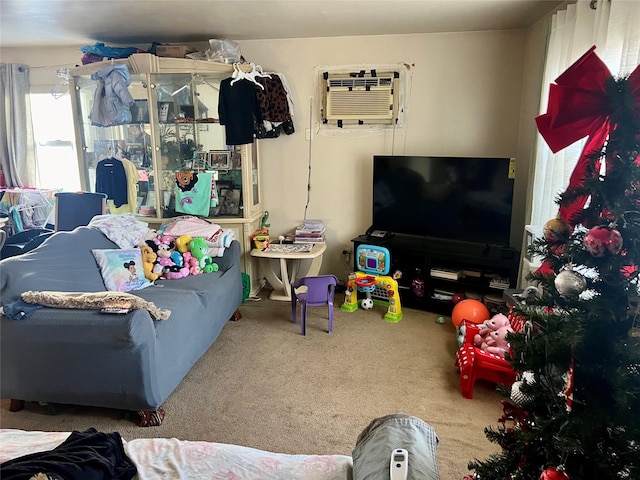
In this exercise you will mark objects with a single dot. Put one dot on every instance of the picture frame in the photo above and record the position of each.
(151, 198)
(220, 159)
(165, 112)
(229, 201)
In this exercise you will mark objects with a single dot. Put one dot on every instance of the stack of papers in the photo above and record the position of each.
(310, 231)
(289, 248)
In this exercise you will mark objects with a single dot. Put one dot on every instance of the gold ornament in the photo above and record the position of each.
(556, 230)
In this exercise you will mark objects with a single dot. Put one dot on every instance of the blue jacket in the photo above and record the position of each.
(112, 100)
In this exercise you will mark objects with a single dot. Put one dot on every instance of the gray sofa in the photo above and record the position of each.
(84, 357)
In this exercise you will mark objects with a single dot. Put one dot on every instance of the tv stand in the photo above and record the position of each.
(430, 270)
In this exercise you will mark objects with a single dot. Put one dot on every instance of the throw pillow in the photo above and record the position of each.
(121, 269)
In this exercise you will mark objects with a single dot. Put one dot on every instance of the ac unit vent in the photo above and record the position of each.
(360, 99)
(360, 82)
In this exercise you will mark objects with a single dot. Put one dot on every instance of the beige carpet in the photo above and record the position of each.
(264, 385)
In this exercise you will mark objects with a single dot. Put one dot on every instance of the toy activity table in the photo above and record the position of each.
(292, 265)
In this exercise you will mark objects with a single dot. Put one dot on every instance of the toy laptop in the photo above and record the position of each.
(373, 260)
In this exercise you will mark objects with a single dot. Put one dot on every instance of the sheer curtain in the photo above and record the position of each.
(17, 148)
(613, 27)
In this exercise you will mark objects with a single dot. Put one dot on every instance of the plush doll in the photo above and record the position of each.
(489, 326)
(149, 262)
(165, 250)
(497, 341)
(182, 243)
(169, 261)
(174, 272)
(200, 250)
(191, 263)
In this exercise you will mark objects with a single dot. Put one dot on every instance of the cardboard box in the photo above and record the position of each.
(174, 51)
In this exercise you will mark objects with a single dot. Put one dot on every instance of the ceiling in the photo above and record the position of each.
(140, 22)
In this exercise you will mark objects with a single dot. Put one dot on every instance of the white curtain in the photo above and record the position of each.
(17, 148)
(614, 28)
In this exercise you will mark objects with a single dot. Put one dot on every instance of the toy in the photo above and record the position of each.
(497, 343)
(191, 263)
(366, 303)
(149, 262)
(372, 280)
(200, 250)
(173, 272)
(170, 261)
(494, 323)
(165, 250)
(182, 243)
(469, 309)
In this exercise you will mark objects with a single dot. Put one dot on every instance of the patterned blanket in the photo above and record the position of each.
(94, 301)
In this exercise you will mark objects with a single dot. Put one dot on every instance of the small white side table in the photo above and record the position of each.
(291, 267)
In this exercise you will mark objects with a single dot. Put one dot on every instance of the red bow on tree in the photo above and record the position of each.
(583, 102)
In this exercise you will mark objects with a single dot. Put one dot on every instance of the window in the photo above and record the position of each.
(53, 132)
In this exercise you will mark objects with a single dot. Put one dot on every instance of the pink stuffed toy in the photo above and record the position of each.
(192, 263)
(165, 250)
(497, 341)
(488, 327)
(174, 272)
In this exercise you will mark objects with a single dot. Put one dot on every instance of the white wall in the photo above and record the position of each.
(470, 94)
(466, 98)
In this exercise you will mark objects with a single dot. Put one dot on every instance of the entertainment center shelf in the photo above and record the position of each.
(472, 268)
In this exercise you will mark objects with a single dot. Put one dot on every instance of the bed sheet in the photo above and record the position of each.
(170, 458)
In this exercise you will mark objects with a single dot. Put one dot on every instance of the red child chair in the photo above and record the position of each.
(475, 363)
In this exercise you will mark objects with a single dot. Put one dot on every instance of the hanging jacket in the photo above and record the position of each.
(111, 179)
(112, 100)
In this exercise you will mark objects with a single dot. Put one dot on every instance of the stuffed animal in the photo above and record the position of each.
(191, 263)
(165, 248)
(149, 262)
(182, 243)
(174, 272)
(170, 262)
(487, 327)
(497, 343)
(200, 250)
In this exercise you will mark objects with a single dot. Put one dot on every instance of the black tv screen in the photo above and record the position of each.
(458, 198)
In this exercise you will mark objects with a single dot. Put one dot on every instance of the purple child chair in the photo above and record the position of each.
(319, 292)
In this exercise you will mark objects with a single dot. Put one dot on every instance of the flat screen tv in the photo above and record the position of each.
(459, 198)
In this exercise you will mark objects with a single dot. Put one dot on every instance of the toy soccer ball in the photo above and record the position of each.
(366, 303)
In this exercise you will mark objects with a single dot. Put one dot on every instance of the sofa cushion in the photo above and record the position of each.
(121, 269)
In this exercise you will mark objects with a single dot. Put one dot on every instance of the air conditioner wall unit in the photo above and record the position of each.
(361, 98)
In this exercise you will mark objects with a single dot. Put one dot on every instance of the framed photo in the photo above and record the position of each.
(151, 198)
(220, 158)
(229, 201)
(140, 111)
(165, 112)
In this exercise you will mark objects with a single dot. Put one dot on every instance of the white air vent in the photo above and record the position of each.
(359, 98)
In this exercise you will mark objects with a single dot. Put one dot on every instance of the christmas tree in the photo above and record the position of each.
(575, 411)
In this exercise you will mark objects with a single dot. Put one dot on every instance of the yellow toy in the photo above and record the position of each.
(182, 243)
(372, 280)
(149, 258)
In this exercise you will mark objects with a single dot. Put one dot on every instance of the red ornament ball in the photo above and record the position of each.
(553, 473)
(556, 230)
(600, 240)
(469, 309)
(458, 297)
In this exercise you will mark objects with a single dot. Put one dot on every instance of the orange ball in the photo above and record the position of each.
(471, 310)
